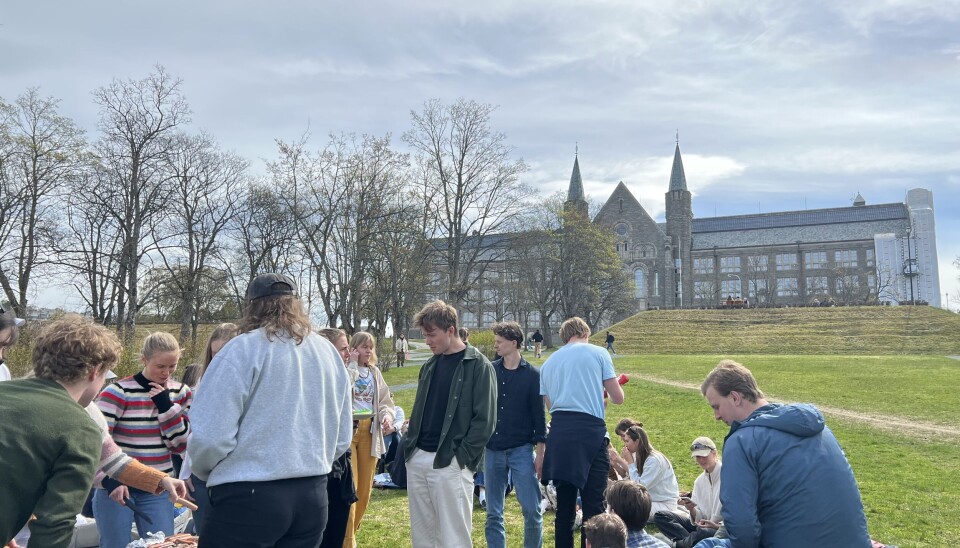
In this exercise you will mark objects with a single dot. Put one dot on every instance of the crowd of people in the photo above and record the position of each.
(277, 435)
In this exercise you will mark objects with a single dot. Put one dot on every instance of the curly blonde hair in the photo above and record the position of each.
(69, 349)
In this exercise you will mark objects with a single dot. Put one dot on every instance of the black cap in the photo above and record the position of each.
(266, 285)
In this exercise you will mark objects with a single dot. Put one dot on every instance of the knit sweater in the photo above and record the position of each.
(49, 448)
(140, 428)
(271, 409)
(119, 466)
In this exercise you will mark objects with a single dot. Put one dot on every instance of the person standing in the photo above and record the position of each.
(610, 339)
(454, 413)
(272, 415)
(537, 339)
(785, 479)
(703, 504)
(49, 445)
(401, 346)
(521, 428)
(573, 380)
(146, 415)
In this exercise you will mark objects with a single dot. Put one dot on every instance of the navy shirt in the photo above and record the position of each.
(520, 414)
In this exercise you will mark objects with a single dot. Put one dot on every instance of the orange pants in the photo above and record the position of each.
(364, 467)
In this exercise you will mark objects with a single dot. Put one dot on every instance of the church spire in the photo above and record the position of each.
(678, 180)
(575, 192)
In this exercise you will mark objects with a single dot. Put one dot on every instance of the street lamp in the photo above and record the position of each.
(739, 284)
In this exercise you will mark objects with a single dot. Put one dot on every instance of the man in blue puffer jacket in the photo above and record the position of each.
(785, 481)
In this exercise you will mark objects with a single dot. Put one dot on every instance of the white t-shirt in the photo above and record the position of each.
(4, 373)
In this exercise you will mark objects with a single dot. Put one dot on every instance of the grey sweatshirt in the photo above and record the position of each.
(270, 410)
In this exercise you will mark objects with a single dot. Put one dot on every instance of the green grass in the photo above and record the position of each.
(867, 330)
(906, 484)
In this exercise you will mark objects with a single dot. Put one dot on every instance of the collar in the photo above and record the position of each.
(523, 363)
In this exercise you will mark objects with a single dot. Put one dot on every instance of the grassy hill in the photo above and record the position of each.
(868, 330)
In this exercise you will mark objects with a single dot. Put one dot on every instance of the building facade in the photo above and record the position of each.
(861, 254)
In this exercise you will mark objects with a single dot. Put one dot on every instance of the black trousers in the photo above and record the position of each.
(679, 528)
(591, 499)
(287, 513)
(337, 512)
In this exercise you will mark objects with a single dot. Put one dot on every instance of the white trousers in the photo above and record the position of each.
(441, 503)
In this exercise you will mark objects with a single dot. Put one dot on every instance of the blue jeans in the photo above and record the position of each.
(114, 521)
(713, 543)
(517, 462)
(202, 499)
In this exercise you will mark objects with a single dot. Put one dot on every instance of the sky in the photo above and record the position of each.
(779, 105)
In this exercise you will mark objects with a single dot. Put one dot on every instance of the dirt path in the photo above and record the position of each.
(894, 425)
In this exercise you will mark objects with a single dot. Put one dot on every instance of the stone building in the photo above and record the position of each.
(845, 255)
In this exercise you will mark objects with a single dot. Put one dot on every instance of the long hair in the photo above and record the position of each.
(279, 316)
(644, 449)
(223, 332)
(361, 338)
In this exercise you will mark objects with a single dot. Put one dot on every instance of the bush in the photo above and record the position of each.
(483, 341)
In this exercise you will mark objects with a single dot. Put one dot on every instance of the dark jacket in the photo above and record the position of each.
(786, 483)
(471, 411)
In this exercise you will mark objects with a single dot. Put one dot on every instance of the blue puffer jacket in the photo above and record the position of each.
(786, 483)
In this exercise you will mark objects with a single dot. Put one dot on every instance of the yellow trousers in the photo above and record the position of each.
(364, 467)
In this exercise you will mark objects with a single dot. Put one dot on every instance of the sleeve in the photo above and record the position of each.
(739, 495)
(142, 477)
(216, 414)
(652, 470)
(398, 417)
(67, 486)
(174, 426)
(606, 366)
(387, 407)
(538, 413)
(484, 418)
(345, 436)
(112, 402)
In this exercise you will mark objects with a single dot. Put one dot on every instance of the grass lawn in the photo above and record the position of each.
(904, 482)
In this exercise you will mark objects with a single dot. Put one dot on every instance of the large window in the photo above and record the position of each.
(730, 288)
(469, 319)
(787, 261)
(757, 288)
(757, 263)
(638, 279)
(703, 266)
(817, 285)
(656, 284)
(787, 287)
(871, 257)
(846, 258)
(815, 259)
(729, 264)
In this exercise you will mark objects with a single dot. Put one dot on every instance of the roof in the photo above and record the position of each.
(880, 212)
(575, 193)
(678, 180)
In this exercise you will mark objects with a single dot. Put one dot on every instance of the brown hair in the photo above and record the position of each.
(436, 315)
(191, 374)
(605, 531)
(644, 449)
(729, 376)
(332, 334)
(158, 341)
(223, 332)
(278, 315)
(9, 321)
(574, 327)
(631, 502)
(624, 424)
(510, 331)
(361, 338)
(69, 349)
(463, 333)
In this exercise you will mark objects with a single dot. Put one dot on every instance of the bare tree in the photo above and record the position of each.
(136, 119)
(205, 190)
(478, 189)
(40, 153)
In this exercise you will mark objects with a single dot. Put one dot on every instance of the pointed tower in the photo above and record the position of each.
(576, 200)
(680, 232)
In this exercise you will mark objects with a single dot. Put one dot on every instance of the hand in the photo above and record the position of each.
(387, 426)
(354, 355)
(708, 524)
(190, 489)
(157, 388)
(11, 544)
(538, 465)
(120, 494)
(685, 501)
(176, 488)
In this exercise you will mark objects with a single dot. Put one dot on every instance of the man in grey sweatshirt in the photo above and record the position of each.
(271, 415)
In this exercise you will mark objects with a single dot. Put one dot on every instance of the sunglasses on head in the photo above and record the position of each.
(698, 446)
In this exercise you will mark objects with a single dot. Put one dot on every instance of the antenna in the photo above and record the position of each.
(576, 148)
(678, 136)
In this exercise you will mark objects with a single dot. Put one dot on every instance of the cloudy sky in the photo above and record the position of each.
(780, 105)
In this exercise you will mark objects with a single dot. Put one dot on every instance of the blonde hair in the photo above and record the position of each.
(69, 349)
(332, 334)
(361, 338)
(574, 327)
(158, 341)
(277, 315)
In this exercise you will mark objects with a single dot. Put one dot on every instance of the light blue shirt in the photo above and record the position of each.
(572, 378)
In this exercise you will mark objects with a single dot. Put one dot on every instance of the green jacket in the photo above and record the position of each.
(50, 451)
(472, 411)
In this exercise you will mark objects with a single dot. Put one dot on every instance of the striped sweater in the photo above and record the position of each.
(139, 428)
(115, 464)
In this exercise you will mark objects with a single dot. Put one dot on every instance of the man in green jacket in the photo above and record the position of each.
(454, 414)
(49, 447)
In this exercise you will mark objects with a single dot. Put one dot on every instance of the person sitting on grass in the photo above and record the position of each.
(605, 531)
(618, 466)
(50, 447)
(631, 502)
(703, 504)
(650, 467)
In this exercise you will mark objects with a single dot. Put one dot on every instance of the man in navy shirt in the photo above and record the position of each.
(521, 426)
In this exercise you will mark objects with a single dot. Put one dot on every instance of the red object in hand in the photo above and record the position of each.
(623, 379)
